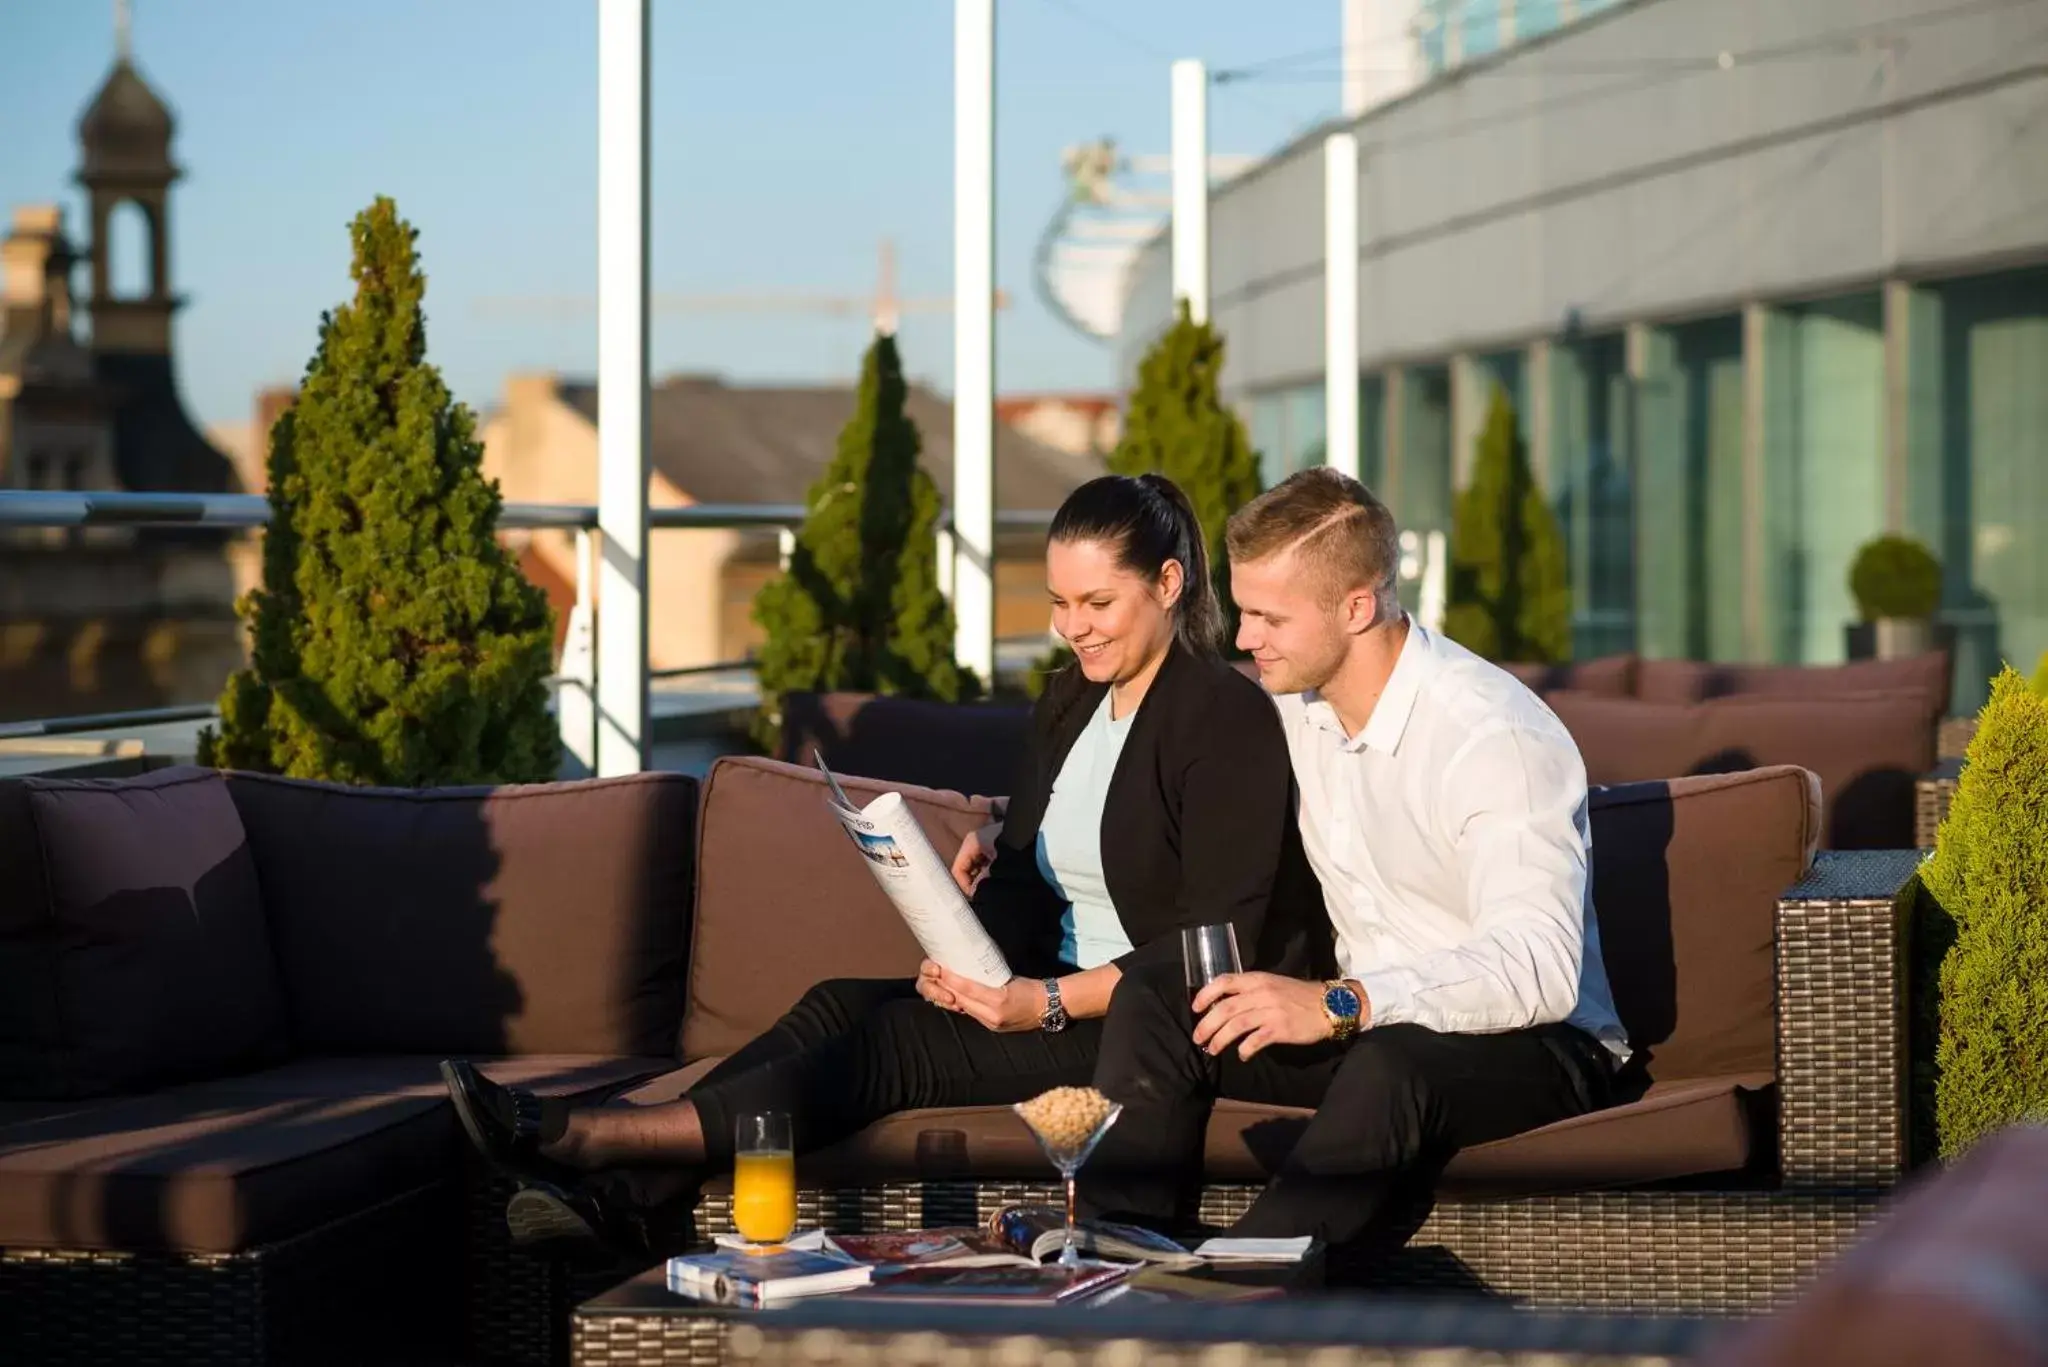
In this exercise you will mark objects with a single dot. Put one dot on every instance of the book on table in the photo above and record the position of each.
(738, 1277)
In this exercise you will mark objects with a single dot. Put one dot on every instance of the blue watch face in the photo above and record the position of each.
(1341, 1001)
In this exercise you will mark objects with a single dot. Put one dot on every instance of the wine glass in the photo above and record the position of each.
(1068, 1151)
(1207, 953)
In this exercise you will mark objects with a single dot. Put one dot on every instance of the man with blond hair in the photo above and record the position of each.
(1443, 807)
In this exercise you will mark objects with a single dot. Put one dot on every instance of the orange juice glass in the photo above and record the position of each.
(763, 1178)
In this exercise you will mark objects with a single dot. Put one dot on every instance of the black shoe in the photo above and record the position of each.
(583, 1223)
(541, 1215)
(504, 1123)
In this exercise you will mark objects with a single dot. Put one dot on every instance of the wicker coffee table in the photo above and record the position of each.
(641, 1323)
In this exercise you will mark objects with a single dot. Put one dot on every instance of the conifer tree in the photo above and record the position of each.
(1176, 424)
(860, 608)
(1509, 595)
(1989, 880)
(394, 639)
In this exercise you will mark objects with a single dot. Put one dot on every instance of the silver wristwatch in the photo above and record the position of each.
(1055, 1018)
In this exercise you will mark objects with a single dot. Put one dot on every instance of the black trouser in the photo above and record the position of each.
(1390, 1105)
(855, 1049)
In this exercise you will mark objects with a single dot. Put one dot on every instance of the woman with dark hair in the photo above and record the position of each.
(1156, 795)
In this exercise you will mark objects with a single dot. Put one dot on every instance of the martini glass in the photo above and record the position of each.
(1068, 1158)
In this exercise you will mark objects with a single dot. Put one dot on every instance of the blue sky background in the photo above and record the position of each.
(790, 136)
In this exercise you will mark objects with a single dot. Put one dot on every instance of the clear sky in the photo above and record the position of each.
(790, 136)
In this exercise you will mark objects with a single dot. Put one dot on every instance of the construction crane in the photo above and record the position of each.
(885, 308)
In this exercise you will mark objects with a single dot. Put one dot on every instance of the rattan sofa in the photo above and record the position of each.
(306, 1196)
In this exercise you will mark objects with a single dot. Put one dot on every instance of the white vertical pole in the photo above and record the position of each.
(1340, 302)
(622, 313)
(974, 335)
(1191, 186)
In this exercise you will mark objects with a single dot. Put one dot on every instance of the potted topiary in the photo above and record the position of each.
(1896, 582)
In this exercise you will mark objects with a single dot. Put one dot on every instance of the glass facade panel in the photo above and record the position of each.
(1269, 436)
(1993, 473)
(1479, 27)
(1422, 487)
(1592, 487)
(1823, 469)
(1688, 449)
(1307, 429)
(1372, 431)
(1287, 430)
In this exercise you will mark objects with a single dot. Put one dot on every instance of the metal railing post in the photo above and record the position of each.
(576, 682)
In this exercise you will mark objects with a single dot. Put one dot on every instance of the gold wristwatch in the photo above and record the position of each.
(1341, 1005)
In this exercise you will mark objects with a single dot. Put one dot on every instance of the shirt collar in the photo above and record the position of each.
(1389, 720)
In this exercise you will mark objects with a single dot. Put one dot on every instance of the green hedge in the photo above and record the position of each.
(1986, 940)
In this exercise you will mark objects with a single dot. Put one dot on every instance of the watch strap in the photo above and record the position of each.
(1055, 1014)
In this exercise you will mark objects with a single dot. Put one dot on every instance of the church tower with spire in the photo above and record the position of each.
(124, 141)
(105, 618)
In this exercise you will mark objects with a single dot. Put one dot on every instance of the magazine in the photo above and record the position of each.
(1016, 1236)
(1040, 1232)
(733, 1277)
(919, 882)
(950, 1284)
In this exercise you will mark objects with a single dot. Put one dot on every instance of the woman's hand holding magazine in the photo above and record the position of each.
(919, 884)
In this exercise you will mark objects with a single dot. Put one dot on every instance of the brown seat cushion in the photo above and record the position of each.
(1686, 879)
(784, 902)
(148, 961)
(1611, 676)
(237, 1163)
(539, 919)
(1696, 680)
(1867, 749)
(967, 748)
(1679, 1131)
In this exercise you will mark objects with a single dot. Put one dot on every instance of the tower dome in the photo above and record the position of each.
(126, 130)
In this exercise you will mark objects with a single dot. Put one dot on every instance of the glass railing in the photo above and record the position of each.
(60, 510)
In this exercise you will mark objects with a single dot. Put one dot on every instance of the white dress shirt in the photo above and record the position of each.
(1451, 838)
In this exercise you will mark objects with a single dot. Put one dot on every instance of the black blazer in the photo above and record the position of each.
(1198, 826)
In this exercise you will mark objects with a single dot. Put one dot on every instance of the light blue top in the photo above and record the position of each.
(1070, 842)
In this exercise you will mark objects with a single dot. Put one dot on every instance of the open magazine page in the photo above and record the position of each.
(919, 882)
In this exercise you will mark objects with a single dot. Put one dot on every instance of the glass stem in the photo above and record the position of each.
(1069, 1248)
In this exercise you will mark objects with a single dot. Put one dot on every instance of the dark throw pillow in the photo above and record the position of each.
(153, 937)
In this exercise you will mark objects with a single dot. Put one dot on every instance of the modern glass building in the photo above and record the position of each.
(1762, 281)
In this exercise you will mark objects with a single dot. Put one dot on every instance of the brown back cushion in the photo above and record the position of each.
(785, 902)
(968, 749)
(1867, 749)
(147, 961)
(28, 987)
(1686, 880)
(1695, 681)
(1610, 676)
(520, 920)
